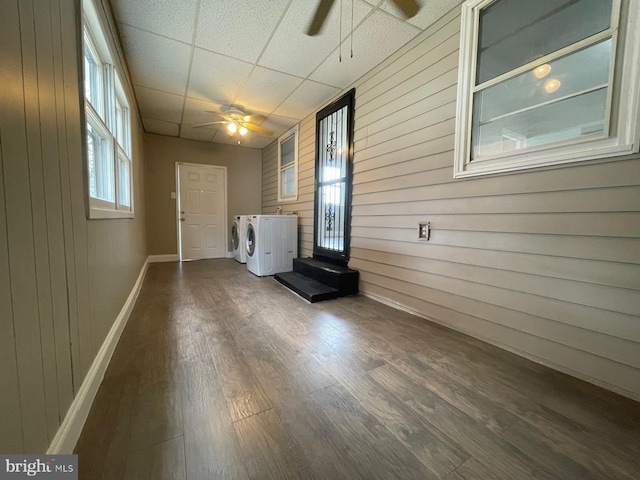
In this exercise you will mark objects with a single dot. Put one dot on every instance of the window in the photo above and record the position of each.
(288, 166)
(108, 126)
(546, 82)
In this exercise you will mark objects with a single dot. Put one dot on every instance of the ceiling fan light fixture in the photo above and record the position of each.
(552, 85)
(243, 131)
(542, 71)
(232, 127)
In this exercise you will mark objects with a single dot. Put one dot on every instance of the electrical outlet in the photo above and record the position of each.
(424, 231)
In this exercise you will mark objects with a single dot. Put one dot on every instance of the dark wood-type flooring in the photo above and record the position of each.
(223, 375)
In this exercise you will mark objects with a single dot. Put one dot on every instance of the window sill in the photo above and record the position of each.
(603, 149)
(101, 214)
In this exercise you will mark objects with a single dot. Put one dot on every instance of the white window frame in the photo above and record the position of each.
(621, 135)
(283, 138)
(103, 118)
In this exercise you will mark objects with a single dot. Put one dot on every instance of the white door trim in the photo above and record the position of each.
(177, 217)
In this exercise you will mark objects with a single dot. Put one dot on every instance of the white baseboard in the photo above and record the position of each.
(65, 440)
(169, 257)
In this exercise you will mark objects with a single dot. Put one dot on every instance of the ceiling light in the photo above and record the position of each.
(232, 127)
(552, 85)
(542, 71)
(243, 131)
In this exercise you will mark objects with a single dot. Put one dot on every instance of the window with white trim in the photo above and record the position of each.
(546, 82)
(288, 166)
(108, 126)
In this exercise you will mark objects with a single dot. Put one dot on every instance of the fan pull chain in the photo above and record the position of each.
(352, 2)
(340, 40)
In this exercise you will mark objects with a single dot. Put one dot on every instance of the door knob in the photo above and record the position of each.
(182, 219)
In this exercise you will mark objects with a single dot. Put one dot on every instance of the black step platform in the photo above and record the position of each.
(317, 280)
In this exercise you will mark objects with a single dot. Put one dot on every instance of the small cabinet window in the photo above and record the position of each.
(288, 166)
(542, 83)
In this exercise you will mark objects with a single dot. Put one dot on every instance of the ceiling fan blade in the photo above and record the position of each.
(207, 124)
(257, 128)
(254, 118)
(319, 17)
(409, 7)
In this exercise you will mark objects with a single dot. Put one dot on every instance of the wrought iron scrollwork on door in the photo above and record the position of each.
(329, 218)
(331, 146)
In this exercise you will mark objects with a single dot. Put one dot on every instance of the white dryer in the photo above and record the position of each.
(238, 238)
(271, 243)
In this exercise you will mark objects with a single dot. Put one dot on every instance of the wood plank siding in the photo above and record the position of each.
(544, 263)
(63, 279)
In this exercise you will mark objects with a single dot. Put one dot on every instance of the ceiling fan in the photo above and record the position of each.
(408, 7)
(236, 120)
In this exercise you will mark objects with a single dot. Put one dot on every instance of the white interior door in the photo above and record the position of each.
(202, 211)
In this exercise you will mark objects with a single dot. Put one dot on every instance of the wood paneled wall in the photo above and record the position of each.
(63, 279)
(545, 263)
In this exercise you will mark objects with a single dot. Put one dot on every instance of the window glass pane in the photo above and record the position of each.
(92, 79)
(553, 102)
(287, 149)
(100, 166)
(516, 32)
(120, 124)
(93, 142)
(287, 182)
(569, 118)
(123, 127)
(584, 70)
(124, 181)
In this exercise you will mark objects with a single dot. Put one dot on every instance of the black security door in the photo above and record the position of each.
(334, 159)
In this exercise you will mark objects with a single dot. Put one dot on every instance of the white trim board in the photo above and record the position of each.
(73, 423)
(528, 356)
(168, 257)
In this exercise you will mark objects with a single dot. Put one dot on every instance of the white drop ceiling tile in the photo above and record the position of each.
(255, 141)
(217, 78)
(196, 112)
(204, 134)
(171, 18)
(389, 32)
(291, 50)
(155, 61)
(266, 89)
(238, 29)
(307, 98)
(151, 125)
(159, 105)
(429, 13)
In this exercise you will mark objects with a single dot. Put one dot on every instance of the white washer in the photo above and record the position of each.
(271, 243)
(238, 238)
